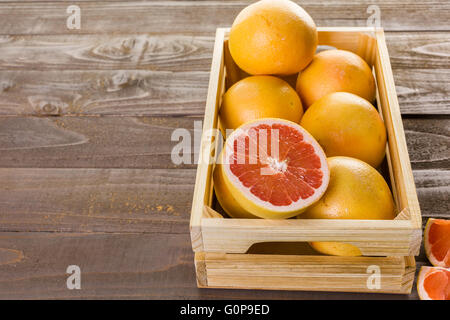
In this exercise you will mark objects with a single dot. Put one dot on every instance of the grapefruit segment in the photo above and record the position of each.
(273, 168)
(437, 242)
(433, 283)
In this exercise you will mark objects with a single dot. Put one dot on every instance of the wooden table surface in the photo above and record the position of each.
(86, 118)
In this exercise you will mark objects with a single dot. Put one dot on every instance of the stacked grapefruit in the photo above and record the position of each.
(310, 149)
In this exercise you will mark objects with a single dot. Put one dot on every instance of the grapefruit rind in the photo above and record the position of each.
(356, 191)
(248, 202)
(336, 248)
(225, 196)
(423, 274)
(428, 245)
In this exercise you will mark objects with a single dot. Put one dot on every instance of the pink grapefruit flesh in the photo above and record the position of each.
(274, 168)
(437, 242)
(433, 283)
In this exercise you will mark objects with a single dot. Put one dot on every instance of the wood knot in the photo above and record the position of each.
(120, 80)
(47, 106)
(123, 48)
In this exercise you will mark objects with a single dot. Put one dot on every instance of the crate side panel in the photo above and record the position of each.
(318, 273)
(203, 180)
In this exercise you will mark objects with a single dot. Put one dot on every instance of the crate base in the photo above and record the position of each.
(304, 272)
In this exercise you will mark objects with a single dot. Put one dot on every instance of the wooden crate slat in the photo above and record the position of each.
(202, 191)
(396, 136)
(317, 273)
(237, 235)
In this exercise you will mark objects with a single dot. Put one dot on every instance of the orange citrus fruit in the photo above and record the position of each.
(259, 97)
(356, 191)
(270, 168)
(273, 37)
(347, 125)
(333, 71)
(433, 283)
(437, 242)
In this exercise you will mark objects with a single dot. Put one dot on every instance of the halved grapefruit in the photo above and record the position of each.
(437, 242)
(433, 283)
(270, 168)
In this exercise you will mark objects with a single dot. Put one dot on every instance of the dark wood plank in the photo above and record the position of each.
(423, 91)
(95, 142)
(424, 50)
(118, 92)
(33, 265)
(113, 266)
(145, 142)
(96, 200)
(419, 50)
(428, 141)
(153, 93)
(117, 200)
(107, 52)
(433, 189)
(199, 17)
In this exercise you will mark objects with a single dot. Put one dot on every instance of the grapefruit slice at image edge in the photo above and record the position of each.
(270, 168)
(437, 242)
(433, 283)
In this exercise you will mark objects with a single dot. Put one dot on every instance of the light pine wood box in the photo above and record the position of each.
(221, 244)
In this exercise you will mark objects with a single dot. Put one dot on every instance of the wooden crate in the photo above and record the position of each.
(221, 244)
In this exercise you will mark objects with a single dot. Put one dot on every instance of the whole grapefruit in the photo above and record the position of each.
(355, 191)
(273, 37)
(347, 125)
(259, 97)
(333, 71)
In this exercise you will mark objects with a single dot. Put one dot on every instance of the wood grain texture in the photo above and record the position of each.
(154, 93)
(178, 52)
(173, 75)
(315, 273)
(423, 50)
(422, 91)
(433, 189)
(118, 92)
(94, 142)
(170, 52)
(134, 72)
(133, 200)
(145, 142)
(117, 266)
(203, 17)
(96, 200)
(428, 142)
